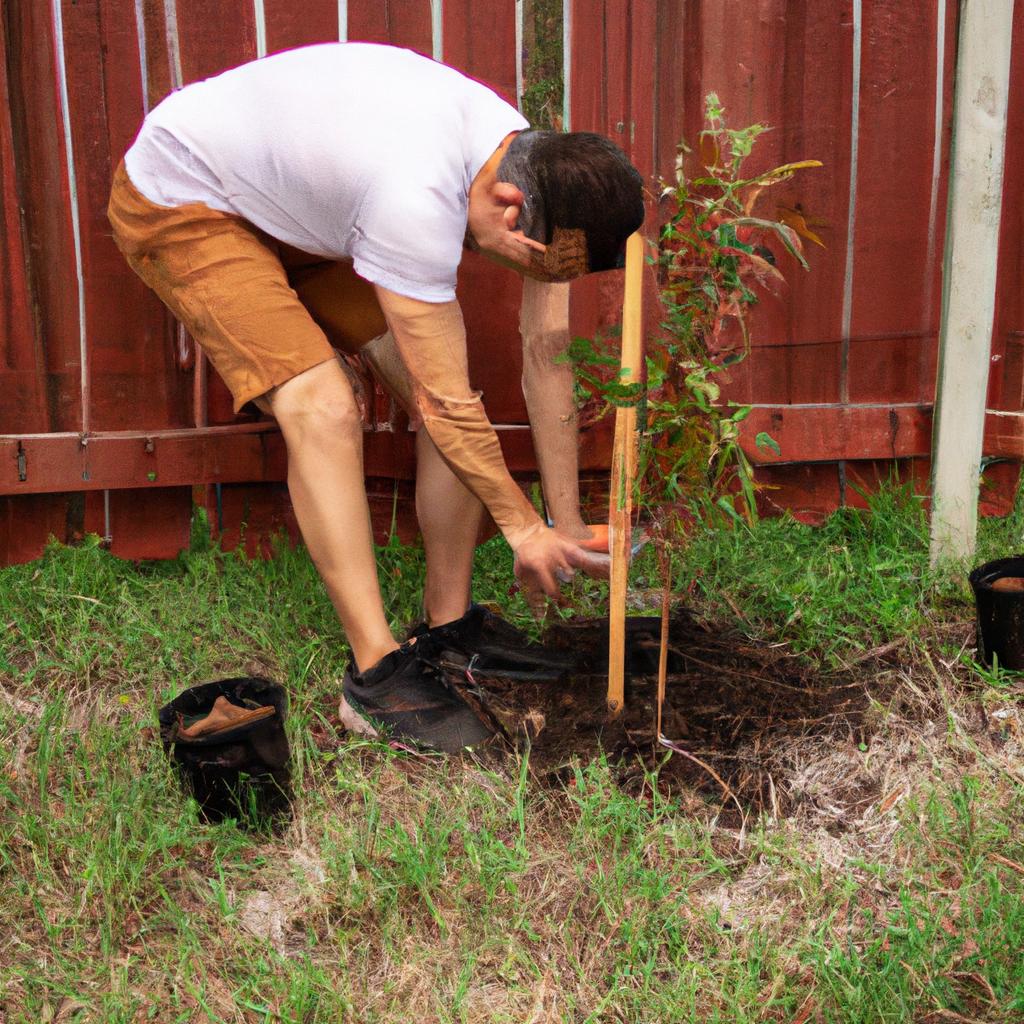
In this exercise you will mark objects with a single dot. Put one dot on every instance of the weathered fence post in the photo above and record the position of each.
(969, 278)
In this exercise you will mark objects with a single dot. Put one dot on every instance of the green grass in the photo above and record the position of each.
(860, 580)
(424, 889)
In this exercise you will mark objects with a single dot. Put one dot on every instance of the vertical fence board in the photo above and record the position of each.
(22, 378)
(132, 378)
(27, 521)
(214, 35)
(895, 163)
(587, 90)
(137, 378)
(368, 21)
(154, 39)
(42, 186)
(615, 111)
(1006, 386)
(144, 523)
(410, 25)
(290, 24)
(671, 60)
(479, 39)
(641, 130)
(399, 22)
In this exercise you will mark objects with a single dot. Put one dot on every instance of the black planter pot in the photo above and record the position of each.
(243, 773)
(1000, 613)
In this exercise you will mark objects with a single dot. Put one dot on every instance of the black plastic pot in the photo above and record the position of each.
(1000, 613)
(243, 773)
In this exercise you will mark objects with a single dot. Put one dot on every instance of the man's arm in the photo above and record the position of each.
(431, 339)
(548, 389)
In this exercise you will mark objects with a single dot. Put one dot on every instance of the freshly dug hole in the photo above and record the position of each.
(728, 700)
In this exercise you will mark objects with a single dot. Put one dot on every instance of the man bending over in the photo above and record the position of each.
(322, 198)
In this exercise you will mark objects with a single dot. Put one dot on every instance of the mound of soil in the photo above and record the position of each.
(728, 699)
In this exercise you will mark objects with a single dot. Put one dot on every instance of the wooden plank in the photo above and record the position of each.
(22, 376)
(946, 22)
(888, 368)
(620, 509)
(410, 25)
(642, 125)
(807, 492)
(614, 72)
(896, 146)
(289, 24)
(150, 523)
(831, 433)
(980, 113)
(27, 522)
(1006, 384)
(835, 432)
(368, 21)
(60, 462)
(133, 382)
(227, 454)
(783, 373)
(214, 35)
(814, 123)
(42, 185)
(585, 75)
(399, 22)
(480, 40)
(490, 297)
(158, 71)
(672, 56)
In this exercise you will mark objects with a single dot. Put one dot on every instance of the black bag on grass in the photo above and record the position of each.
(237, 772)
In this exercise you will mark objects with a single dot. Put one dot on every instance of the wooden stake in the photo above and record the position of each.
(665, 565)
(620, 506)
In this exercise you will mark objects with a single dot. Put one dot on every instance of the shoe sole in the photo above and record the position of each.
(354, 722)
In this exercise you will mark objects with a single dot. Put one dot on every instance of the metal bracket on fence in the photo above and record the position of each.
(108, 537)
(22, 463)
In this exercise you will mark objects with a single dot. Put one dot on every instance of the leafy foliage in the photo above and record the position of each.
(714, 258)
(543, 80)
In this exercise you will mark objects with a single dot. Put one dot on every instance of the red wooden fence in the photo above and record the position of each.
(109, 424)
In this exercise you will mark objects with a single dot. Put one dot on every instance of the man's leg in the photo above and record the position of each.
(450, 516)
(320, 421)
(345, 306)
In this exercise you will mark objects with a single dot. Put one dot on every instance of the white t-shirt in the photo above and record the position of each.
(344, 150)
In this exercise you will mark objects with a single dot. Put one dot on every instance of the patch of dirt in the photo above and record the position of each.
(731, 704)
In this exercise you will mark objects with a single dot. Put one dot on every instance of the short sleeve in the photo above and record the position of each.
(409, 234)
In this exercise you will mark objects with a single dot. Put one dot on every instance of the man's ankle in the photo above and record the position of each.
(443, 612)
(369, 655)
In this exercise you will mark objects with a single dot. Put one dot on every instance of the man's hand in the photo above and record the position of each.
(547, 558)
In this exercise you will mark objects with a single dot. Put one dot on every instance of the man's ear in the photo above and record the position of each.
(505, 193)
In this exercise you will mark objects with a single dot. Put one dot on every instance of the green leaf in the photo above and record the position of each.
(725, 503)
(765, 440)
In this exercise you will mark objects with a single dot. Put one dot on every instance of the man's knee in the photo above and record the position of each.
(317, 403)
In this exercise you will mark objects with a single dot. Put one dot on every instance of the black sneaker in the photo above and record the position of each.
(487, 645)
(407, 697)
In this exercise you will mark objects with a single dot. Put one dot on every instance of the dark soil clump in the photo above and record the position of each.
(729, 700)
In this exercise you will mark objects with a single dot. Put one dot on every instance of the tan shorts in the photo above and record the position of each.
(262, 311)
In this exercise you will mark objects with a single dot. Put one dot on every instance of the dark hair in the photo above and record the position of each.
(576, 180)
